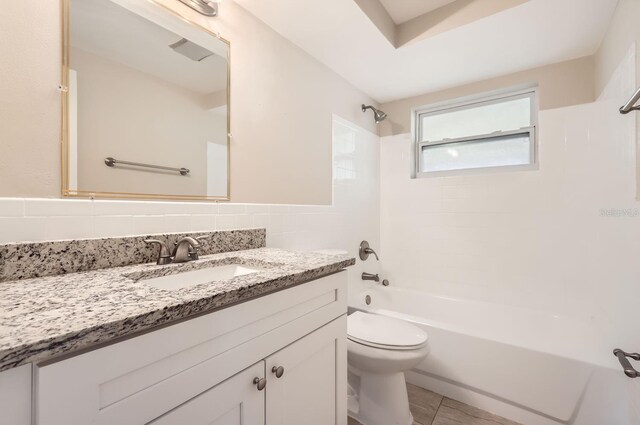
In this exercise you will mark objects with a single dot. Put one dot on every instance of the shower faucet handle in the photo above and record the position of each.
(365, 251)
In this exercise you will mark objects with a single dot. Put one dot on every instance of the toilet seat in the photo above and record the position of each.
(384, 332)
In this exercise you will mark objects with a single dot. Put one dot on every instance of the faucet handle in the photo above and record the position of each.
(371, 251)
(365, 251)
(203, 238)
(164, 256)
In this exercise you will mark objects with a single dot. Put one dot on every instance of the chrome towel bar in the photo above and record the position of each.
(112, 162)
(628, 107)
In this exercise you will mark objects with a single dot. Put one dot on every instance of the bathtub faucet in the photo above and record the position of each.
(370, 276)
(375, 278)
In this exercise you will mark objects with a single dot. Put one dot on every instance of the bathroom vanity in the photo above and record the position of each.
(107, 347)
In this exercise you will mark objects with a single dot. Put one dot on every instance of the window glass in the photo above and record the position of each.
(493, 152)
(504, 115)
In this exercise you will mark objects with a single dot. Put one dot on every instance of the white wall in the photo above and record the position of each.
(282, 102)
(623, 34)
(560, 84)
(541, 239)
(354, 215)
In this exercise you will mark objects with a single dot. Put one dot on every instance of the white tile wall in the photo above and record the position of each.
(353, 216)
(538, 239)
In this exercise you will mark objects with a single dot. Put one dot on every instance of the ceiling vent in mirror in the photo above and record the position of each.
(191, 50)
(206, 7)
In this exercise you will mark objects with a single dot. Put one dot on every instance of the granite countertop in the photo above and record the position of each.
(45, 317)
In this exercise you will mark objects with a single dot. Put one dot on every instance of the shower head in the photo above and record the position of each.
(378, 115)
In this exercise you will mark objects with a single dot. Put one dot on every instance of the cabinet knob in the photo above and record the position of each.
(279, 371)
(261, 383)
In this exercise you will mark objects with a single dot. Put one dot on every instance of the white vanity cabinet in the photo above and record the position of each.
(304, 383)
(202, 371)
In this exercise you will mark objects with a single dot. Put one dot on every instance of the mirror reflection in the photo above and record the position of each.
(147, 103)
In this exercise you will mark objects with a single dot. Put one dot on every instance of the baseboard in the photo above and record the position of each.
(476, 399)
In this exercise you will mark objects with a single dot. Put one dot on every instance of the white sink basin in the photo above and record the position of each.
(200, 276)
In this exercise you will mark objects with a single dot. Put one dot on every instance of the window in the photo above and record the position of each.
(488, 132)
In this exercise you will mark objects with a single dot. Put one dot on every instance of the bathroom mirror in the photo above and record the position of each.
(145, 103)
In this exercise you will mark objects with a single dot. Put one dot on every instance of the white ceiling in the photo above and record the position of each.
(402, 11)
(340, 35)
(112, 32)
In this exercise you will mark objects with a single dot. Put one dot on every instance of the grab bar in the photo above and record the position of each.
(112, 162)
(624, 362)
(628, 107)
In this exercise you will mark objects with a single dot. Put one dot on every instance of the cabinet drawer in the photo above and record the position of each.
(137, 380)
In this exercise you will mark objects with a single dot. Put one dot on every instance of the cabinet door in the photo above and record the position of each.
(15, 396)
(236, 401)
(311, 389)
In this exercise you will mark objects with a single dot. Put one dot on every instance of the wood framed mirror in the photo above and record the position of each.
(146, 96)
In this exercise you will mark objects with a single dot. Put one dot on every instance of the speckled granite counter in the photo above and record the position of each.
(45, 317)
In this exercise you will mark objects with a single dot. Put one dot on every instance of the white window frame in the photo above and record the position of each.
(529, 91)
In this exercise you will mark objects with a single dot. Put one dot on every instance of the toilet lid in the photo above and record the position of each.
(384, 332)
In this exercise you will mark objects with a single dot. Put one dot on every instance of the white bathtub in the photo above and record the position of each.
(524, 364)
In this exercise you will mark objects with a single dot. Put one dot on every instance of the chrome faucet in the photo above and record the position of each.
(370, 276)
(186, 250)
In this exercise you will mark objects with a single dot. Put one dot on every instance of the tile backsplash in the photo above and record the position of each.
(34, 220)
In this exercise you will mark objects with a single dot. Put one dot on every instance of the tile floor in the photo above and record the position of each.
(429, 408)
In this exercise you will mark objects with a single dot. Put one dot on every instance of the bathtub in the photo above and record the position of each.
(526, 365)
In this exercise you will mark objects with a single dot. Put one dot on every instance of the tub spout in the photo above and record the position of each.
(370, 276)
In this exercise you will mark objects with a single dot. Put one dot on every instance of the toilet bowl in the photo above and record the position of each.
(380, 349)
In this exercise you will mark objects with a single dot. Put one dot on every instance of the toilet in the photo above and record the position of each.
(380, 349)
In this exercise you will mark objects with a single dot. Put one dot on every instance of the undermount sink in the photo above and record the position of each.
(200, 276)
